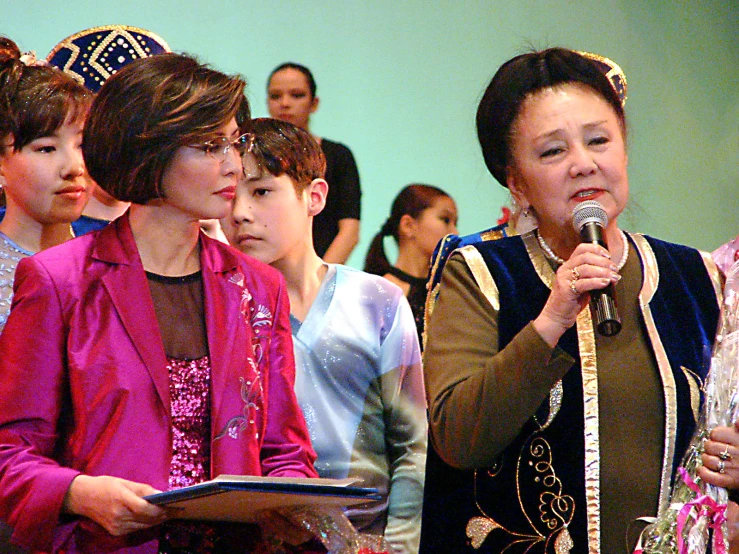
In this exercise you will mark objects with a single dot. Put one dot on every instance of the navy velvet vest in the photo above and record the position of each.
(685, 312)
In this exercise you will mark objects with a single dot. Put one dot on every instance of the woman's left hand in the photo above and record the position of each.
(721, 458)
(117, 505)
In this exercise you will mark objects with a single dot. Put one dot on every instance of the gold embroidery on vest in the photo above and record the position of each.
(553, 508)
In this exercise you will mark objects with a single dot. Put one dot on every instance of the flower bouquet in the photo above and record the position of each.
(695, 518)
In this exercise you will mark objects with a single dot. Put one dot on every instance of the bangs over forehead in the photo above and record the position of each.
(282, 148)
(46, 99)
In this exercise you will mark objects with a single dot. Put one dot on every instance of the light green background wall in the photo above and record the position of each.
(399, 83)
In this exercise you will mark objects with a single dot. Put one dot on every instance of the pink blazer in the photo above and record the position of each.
(84, 386)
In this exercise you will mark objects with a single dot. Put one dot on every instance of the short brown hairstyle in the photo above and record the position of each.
(148, 110)
(283, 148)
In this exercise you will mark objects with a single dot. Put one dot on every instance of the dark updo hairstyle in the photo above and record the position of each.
(35, 100)
(282, 148)
(149, 109)
(304, 70)
(412, 201)
(521, 77)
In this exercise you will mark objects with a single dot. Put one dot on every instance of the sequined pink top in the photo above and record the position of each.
(189, 392)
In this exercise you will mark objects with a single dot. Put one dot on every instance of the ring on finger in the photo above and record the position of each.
(725, 454)
(721, 467)
(575, 274)
(573, 288)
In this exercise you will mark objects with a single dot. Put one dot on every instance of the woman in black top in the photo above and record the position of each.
(291, 97)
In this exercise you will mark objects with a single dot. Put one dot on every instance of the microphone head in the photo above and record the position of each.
(589, 211)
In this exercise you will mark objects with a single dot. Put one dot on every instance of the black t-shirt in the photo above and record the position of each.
(344, 194)
(416, 297)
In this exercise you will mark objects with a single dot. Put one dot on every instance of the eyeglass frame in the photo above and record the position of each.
(219, 147)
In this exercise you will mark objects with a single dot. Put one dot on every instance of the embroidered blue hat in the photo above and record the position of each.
(93, 55)
(611, 70)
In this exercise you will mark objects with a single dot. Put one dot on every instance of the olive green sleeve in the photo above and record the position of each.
(479, 397)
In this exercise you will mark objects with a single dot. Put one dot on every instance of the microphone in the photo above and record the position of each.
(589, 219)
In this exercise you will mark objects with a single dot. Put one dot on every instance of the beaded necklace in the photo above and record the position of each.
(552, 256)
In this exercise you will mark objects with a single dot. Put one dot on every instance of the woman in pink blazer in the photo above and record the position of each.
(146, 356)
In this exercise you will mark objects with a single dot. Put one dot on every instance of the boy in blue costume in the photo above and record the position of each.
(359, 379)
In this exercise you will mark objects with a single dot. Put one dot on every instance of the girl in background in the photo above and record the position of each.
(42, 173)
(420, 217)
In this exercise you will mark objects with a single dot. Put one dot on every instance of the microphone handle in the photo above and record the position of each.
(605, 314)
(592, 233)
(602, 302)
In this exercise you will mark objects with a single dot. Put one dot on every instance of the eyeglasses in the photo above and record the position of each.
(219, 147)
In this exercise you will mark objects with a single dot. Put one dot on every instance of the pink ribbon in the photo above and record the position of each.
(708, 507)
